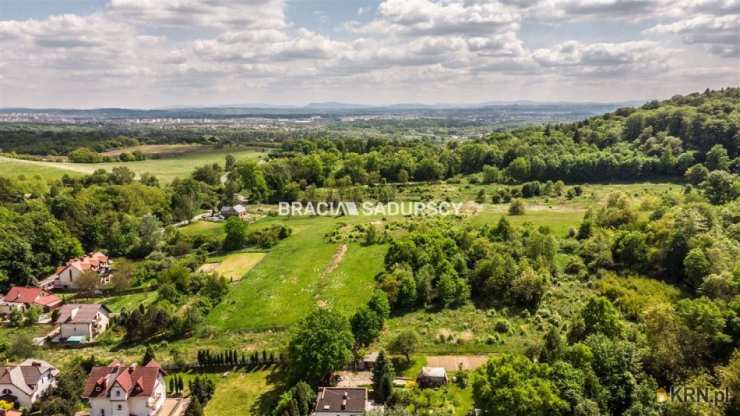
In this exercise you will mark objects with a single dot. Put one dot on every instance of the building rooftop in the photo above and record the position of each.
(79, 313)
(337, 399)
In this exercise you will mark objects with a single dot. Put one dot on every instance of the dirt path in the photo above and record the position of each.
(337, 259)
(323, 278)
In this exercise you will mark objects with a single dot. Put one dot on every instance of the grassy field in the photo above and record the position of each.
(295, 277)
(15, 167)
(233, 266)
(241, 393)
(166, 169)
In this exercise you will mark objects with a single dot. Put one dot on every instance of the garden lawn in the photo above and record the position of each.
(239, 394)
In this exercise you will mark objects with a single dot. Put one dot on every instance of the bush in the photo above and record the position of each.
(502, 326)
(516, 207)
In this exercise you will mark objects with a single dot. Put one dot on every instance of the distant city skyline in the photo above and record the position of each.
(165, 53)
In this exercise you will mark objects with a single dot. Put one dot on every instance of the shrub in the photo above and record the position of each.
(516, 207)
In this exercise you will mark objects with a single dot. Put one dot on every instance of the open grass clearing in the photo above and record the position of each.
(233, 266)
(166, 169)
(48, 170)
(291, 280)
(239, 394)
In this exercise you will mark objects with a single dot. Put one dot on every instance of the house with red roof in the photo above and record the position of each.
(126, 390)
(24, 384)
(68, 275)
(20, 298)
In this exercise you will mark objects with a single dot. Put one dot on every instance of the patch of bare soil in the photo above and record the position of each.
(209, 267)
(337, 259)
(453, 362)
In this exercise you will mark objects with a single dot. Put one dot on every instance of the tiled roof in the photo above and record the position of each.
(31, 295)
(26, 375)
(79, 313)
(86, 263)
(135, 380)
(337, 399)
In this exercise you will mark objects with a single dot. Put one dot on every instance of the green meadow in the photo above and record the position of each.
(166, 169)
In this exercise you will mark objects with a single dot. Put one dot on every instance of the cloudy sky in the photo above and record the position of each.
(154, 53)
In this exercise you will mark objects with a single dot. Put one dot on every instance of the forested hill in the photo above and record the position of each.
(661, 138)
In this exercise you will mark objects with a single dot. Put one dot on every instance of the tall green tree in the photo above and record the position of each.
(321, 344)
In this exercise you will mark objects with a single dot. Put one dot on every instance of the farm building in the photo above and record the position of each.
(234, 211)
(432, 377)
(368, 361)
(82, 322)
(20, 298)
(126, 390)
(25, 383)
(336, 401)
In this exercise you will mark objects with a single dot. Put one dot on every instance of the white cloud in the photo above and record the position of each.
(605, 59)
(253, 14)
(720, 34)
(133, 50)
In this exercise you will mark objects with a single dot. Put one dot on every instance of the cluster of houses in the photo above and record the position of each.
(75, 323)
(135, 390)
(112, 390)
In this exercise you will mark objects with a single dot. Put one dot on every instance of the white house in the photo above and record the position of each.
(338, 401)
(117, 390)
(68, 274)
(82, 321)
(25, 383)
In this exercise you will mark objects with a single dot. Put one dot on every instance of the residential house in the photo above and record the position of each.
(69, 274)
(338, 401)
(82, 322)
(234, 211)
(23, 384)
(118, 390)
(432, 377)
(20, 298)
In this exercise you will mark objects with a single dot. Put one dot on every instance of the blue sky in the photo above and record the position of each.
(151, 53)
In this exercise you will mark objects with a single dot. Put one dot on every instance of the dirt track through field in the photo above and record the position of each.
(337, 259)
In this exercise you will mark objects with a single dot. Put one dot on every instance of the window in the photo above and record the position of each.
(102, 412)
(118, 393)
(120, 407)
(7, 392)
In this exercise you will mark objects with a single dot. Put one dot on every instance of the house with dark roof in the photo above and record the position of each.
(126, 390)
(68, 275)
(83, 322)
(340, 401)
(432, 377)
(25, 383)
(20, 298)
(234, 211)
